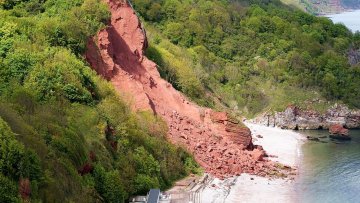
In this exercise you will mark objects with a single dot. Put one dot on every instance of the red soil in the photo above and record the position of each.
(219, 144)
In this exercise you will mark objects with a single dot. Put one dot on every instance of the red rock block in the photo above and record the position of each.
(338, 129)
(258, 155)
(231, 161)
(184, 136)
(218, 117)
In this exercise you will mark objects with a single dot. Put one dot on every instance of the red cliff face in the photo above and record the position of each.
(217, 142)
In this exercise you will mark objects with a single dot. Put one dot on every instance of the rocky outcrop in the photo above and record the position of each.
(296, 118)
(220, 144)
(231, 127)
(354, 56)
(338, 129)
(338, 132)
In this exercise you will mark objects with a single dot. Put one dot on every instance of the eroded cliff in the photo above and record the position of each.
(221, 145)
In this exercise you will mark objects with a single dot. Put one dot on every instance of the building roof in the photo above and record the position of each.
(154, 196)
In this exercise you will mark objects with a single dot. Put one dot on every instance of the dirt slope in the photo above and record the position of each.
(221, 145)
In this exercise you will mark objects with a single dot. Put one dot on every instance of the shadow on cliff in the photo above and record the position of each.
(122, 55)
(122, 58)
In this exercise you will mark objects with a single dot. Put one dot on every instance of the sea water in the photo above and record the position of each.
(350, 19)
(329, 170)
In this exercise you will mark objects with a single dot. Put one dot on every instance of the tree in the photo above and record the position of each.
(8, 190)
(170, 7)
(145, 163)
(9, 4)
(174, 31)
(15, 160)
(114, 191)
(154, 13)
(60, 75)
(143, 183)
(11, 152)
(142, 6)
(108, 185)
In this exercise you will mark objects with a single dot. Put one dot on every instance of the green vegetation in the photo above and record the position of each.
(65, 135)
(251, 56)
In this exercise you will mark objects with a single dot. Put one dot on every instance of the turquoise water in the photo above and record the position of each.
(329, 171)
(350, 19)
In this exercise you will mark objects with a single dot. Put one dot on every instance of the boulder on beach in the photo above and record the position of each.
(259, 136)
(258, 154)
(337, 131)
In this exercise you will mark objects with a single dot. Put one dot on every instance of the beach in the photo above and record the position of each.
(284, 145)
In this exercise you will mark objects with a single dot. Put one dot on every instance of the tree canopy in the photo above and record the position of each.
(250, 54)
(65, 135)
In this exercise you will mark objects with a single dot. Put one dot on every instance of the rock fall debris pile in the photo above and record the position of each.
(221, 145)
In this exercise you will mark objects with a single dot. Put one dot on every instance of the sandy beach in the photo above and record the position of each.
(285, 145)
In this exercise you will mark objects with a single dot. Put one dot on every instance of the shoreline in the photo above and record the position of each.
(285, 148)
(346, 18)
(326, 14)
(284, 144)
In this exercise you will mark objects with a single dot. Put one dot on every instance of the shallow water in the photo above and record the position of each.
(350, 19)
(330, 171)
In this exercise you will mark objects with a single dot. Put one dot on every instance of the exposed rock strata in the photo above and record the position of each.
(295, 118)
(221, 145)
(354, 56)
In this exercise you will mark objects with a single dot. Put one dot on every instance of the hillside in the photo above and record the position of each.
(251, 58)
(65, 134)
(100, 100)
(220, 144)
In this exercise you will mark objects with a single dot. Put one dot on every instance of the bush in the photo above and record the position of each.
(219, 34)
(143, 183)
(8, 190)
(71, 137)
(61, 75)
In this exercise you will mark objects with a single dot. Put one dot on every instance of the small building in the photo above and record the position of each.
(153, 196)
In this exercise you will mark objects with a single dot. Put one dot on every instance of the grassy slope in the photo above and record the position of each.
(268, 68)
(65, 135)
(180, 62)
